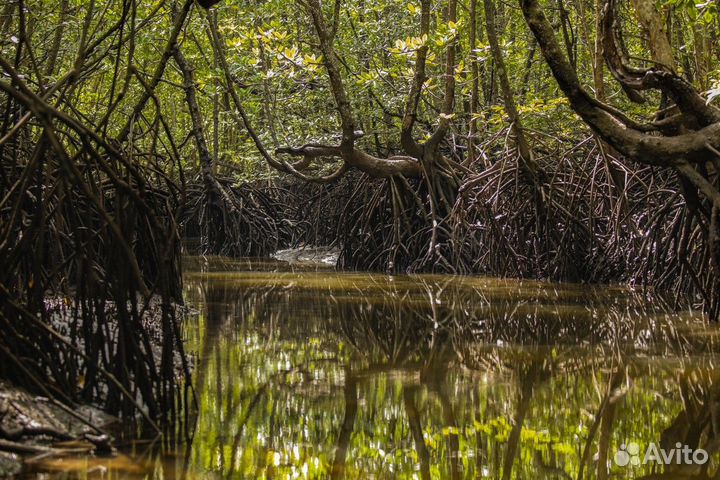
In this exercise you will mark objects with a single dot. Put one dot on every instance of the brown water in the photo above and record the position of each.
(317, 374)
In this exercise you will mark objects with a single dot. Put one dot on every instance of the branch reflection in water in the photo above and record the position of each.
(348, 375)
(320, 374)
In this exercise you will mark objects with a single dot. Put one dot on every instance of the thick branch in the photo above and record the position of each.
(413, 99)
(373, 166)
(311, 150)
(507, 92)
(651, 150)
(206, 159)
(336, 83)
(697, 113)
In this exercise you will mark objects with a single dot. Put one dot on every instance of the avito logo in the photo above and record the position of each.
(629, 455)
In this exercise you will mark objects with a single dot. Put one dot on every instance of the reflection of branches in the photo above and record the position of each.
(550, 470)
(695, 426)
(603, 420)
(527, 383)
(434, 375)
(392, 322)
(416, 430)
(216, 320)
(606, 425)
(453, 442)
(351, 403)
(405, 328)
(402, 317)
(241, 427)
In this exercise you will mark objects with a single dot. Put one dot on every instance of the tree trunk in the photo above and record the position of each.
(507, 93)
(475, 85)
(654, 26)
(206, 158)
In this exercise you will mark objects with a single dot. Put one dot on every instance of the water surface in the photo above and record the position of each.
(311, 373)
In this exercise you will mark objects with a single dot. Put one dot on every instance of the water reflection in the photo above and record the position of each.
(318, 374)
(325, 375)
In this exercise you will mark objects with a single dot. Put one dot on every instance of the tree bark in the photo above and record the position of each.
(507, 93)
(627, 136)
(656, 30)
(204, 155)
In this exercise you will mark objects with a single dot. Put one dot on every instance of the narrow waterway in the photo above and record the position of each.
(305, 372)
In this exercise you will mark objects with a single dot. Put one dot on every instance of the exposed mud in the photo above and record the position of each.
(35, 428)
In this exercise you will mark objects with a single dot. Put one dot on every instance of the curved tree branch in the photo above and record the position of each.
(352, 157)
(697, 113)
(631, 142)
(407, 140)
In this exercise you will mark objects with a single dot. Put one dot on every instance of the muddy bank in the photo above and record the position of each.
(34, 429)
(61, 313)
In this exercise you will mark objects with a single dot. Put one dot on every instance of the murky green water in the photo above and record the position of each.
(318, 374)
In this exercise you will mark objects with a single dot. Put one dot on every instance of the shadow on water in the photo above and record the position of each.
(319, 374)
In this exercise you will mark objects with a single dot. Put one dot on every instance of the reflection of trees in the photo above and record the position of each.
(603, 422)
(696, 425)
(416, 429)
(346, 429)
(244, 396)
(424, 337)
(406, 333)
(527, 378)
